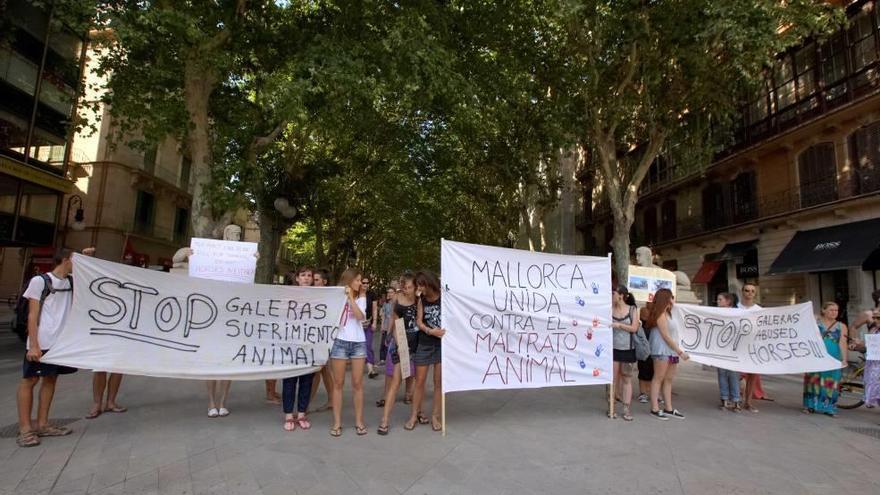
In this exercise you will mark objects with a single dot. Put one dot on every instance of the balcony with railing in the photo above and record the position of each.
(770, 205)
(815, 78)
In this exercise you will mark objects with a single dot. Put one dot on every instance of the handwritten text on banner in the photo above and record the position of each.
(519, 319)
(768, 341)
(142, 322)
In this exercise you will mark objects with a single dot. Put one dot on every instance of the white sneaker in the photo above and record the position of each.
(213, 412)
(223, 412)
(643, 398)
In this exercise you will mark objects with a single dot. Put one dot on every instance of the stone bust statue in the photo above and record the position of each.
(232, 232)
(644, 257)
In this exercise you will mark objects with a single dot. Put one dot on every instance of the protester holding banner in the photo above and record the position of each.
(289, 392)
(50, 297)
(821, 389)
(753, 390)
(728, 381)
(646, 366)
(666, 352)
(405, 308)
(321, 278)
(872, 366)
(428, 349)
(625, 324)
(350, 345)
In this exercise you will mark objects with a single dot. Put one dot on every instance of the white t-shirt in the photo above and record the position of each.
(753, 307)
(352, 330)
(54, 309)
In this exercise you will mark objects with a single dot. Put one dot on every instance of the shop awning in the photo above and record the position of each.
(850, 245)
(706, 272)
(736, 250)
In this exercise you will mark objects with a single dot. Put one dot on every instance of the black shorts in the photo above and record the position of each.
(36, 369)
(627, 356)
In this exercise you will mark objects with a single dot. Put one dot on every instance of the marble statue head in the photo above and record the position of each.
(232, 232)
(644, 256)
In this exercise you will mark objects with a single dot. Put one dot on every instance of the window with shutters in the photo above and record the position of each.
(713, 206)
(668, 220)
(649, 222)
(817, 171)
(744, 197)
(864, 147)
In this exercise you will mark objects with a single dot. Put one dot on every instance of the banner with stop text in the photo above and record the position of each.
(767, 341)
(130, 320)
(520, 319)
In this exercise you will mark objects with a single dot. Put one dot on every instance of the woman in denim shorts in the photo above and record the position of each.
(665, 351)
(350, 344)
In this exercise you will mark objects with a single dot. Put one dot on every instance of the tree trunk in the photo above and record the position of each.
(620, 242)
(270, 240)
(199, 82)
(527, 226)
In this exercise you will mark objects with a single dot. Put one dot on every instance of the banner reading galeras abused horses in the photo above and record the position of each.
(142, 322)
(520, 319)
(768, 341)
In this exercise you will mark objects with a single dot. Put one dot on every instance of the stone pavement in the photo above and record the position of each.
(531, 441)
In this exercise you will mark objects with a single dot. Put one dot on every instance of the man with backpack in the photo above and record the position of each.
(50, 296)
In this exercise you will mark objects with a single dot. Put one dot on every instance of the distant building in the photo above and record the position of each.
(136, 201)
(793, 206)
(40, 73)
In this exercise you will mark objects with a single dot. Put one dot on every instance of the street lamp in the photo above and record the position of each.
(79, 217)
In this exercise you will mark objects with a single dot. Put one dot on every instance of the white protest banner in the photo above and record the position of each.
(872, 346)
(232, 261)
(142, 322)
(770, 341)
(402, 348)
(520, 319)
(644, 281)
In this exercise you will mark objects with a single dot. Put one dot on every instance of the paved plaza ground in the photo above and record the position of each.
(531, 441)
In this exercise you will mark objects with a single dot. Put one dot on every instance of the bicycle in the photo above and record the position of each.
(852, 387)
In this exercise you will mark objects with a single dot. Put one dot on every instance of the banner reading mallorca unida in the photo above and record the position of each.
(768, 341)
(520, 319)
(142, 322)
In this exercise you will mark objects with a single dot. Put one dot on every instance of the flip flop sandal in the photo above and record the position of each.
(627, 415)
(54, 431)
(436, 426)
(303, 423)
(407, 400)
(382, 430)
(93, 414)
(336, 432)
(410, 426)
(380, 403)
(361, 430)
(289, 424)
(117, 409)
(423, 420)
(28, 439)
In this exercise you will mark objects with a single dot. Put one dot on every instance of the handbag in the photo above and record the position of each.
(641, 345)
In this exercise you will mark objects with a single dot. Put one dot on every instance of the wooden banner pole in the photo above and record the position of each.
(611, 386)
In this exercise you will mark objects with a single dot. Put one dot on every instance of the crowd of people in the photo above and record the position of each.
(737, 391)
(645, 344)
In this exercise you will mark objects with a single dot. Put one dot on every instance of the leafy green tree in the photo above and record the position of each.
(641, 74)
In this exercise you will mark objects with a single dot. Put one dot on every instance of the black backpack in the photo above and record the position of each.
(22, 309)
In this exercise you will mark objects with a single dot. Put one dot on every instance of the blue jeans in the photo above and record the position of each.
(289, 391)
(368, 334)
(343, 349)
(728, 383)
